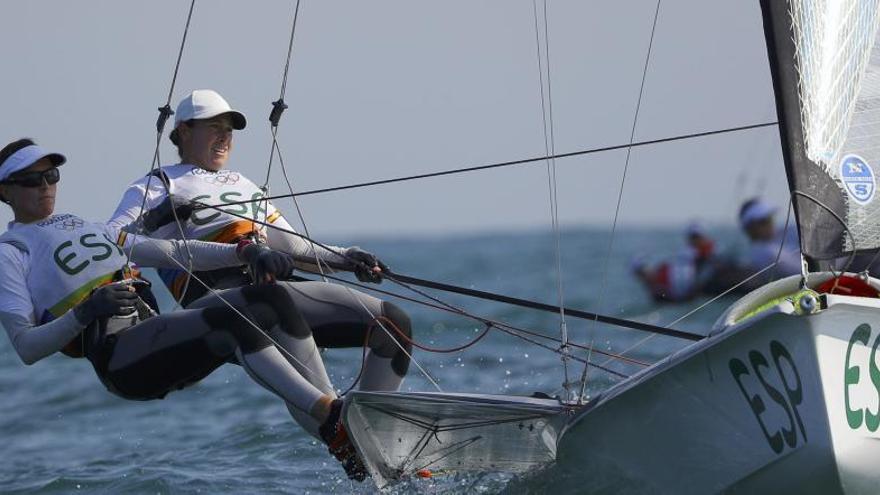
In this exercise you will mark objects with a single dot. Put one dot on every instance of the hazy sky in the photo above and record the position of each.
(387, 88)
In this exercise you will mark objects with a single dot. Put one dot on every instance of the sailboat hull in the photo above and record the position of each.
(782, 397)
(780, 402)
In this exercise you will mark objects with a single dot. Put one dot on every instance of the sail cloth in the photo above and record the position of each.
(826, 76)
(404, 434)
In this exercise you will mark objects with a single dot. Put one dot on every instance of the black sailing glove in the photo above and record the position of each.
(364, 265)
(266, 264)
(165, 213)
(118, 298)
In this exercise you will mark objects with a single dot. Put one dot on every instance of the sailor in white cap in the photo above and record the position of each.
(338, 316)
(756, 218)
(203, 125)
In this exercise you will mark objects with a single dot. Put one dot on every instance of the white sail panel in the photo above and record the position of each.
(833, 41)
(839, 90)
(863, 140)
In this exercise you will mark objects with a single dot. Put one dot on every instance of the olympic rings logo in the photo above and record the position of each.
(69, 224)
(223, 177)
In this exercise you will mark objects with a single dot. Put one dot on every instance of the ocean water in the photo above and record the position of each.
(62, 432)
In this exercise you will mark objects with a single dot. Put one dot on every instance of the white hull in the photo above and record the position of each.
(779, 401)
(760, 407)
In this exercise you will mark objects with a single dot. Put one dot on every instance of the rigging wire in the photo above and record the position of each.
(728, 291)
(842, 222)
(746, 280)
(452, 308)
(576, 313)
(378, 320)
(164, 112)
(244, 317)
(751, 181)
(278, 108)
(626, 163)
(318, 262)
(770, 274)
(550, 150)
(583, 392)
(509, 329)
(502, 326)
(505, 164)
(483, 320)
(620, 322)
(549, 158)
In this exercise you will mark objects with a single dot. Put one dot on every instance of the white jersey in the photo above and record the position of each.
(683, 275)
(214, 188)
(761, 254)
(68, 258)
(52, 265)
(204, 186)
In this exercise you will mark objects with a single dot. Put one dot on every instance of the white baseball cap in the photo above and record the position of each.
(26, 157)
(754, 210)
(204, 104)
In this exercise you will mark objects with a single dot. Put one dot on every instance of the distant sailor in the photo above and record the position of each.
(680, 277)
(338, 316)
(66, 286)
(766, 242)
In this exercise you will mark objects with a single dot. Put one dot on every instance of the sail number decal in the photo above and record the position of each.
(786, 398)
(858, 177)
(852, 376)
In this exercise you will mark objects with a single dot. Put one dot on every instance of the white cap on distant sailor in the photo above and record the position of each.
(204, 104)
(695, 228)
(754, 210)
(26, 157)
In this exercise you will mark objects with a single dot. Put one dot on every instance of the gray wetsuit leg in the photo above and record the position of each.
(168, 352)
(342, 317)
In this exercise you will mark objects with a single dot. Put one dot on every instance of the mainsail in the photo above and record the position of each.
(826, 76)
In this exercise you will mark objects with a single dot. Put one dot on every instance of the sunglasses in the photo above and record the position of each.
(35, 179)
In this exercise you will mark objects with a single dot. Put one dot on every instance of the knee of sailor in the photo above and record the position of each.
(402, 347)
(234, 329)
(391, 334)
(285, 310)
(398, 317)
